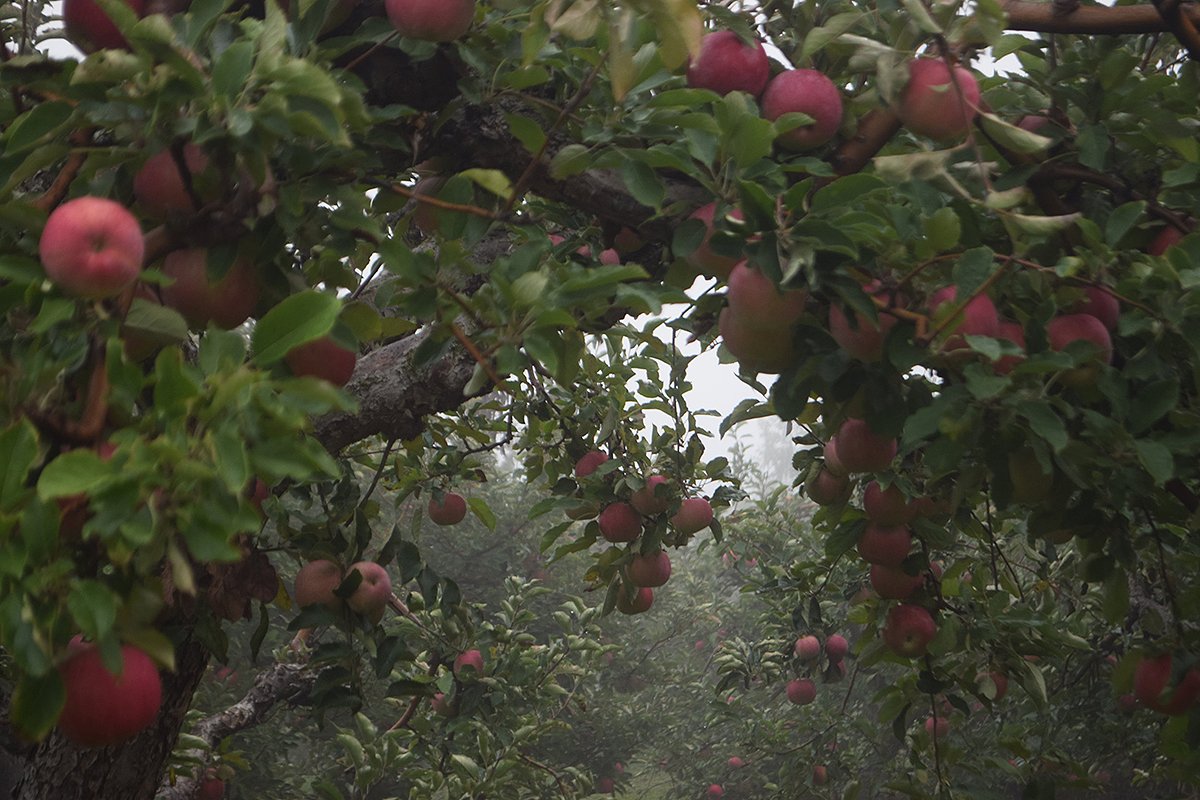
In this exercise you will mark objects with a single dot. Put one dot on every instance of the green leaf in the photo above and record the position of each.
(19, 444)
(1116, 596)
(851, 191)
(36, 703)
(75, 472)
(1046, 424)
(527, 131)
(94, 608)
(643, 183)
(27, 130)
(1157, 460)
(571, 160)
(298, 319)
(231, 69)
(479, 508)
(1121, 220)
(1150, 404)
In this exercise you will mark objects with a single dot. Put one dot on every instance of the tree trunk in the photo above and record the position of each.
(57, 770)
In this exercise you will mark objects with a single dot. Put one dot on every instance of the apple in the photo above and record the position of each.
(807, 648)
(92, 247)
(908, 630)
(619, 522)
(647, 500)
(1101, 305)
(1063, 330)
(859, 336)
(211, 788)
(715, 790)
(431, 20)
(694, 515)
(1150, 680)
(827, 489)
(808, 92)
(860, 449)
(768, 350)
(703, 259)
(887, 506)
(801, 691)
(589, 463)
(832, 462)
(441, 706)
(650, 570)
(735, 762)
(930, 105)
(820, 775)
(977, 318)
(1000, 681)
(101, 708)
(836, 647)
(937, 727)
(372, 595)
(159, 187)
(469, 663)
(893, 583)
(89, 28)
(759, 303)
(323, 358)
(605, 786)
(228, 302)
(1167, 238)
(639, 603)
(1014, 333)
(727, 63)
(316, 582)
(450, 511)
(1127, 703)
(881, 544)
(609, 257)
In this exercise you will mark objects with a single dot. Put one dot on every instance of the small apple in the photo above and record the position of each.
(1063, 330)
(372, 595)
(694, 515)
(801, 691)
(836, 647)
(650, 570)
(703, 259)
(469, 663)
(101, 708)
(639, 603)
(90, 28)
(727, 63)
(589, 463)
(807, 648)
(757, 349)
(820, 775)
(322, 358)
(715, 790)
(860, 449)
(316, 582)
(1014, 333)
(1127, 703)
(908, 630)
(159, 186)
(451, 510)
(648, 501)
(431, 20)
(605, 786)
(619, 522)
(1167, 238)
(937, 727)
(735, 762)
(893, 583)
(92, 247)
(880, 544)
(1101, 305)
(227, 302)
(826, 489)
(1150, 680)
(930, 105)
(888, 506)
(211, 788)
(977, 318)
(808, 92)
(441, 705)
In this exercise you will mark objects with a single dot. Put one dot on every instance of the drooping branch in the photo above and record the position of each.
(1180, 24)
(1024, 15)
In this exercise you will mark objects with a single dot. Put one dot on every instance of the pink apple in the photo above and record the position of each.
(832, 462)
(619, 522)
(1000, 681)
(937, 727)
(469, 663)
(827, 489)
(1014, 333)
(887, 506)
(605, 786)
(820, 775)
(431, 20)
(735, 762)
(609, 257)
(1063, 330)
(759, 303)
(227, 302)
(836, 647)
(441, 705)
(908, 630)
(372, 595)
(930, 105)
(727, 63)
(715, 790)
(89, 28)
(1167, 238)
(801, 691)
(451, 510)
(893, 583)
(1101, 305)
(885, 545)
(977, 318)
(703, 259)
(860, 449)
(639, 603)
(92, 247)
(316, 582)
(756, 349)
(1150, 686)
(807, 648)
(808, 92)
(649, 500)
(694, 515)
(323, 358)
(159, 186)
(589, 463)
(102, 709)
(650, 570)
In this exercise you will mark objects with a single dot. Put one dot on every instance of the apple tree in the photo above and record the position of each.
(277, 275)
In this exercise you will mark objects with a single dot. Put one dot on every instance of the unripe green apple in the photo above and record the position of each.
(92, 247)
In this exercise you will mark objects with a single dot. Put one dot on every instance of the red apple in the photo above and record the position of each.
(1014, 333)
(372, 595)
(735, 762)
(650, 570)
(589, 463)
(101, 708)
(703, 259)
(468, 661)
(323, 358)
(836, 647)
(609, 257)
(880, 544)
(228, 302)
(89, 28)
(715, 790)
(316, 582)
(860, 449)
(605, 786)
(801, 691)
(639, 603)
(766, 350)
(862, 338)
(620, 523)
(908, 630)
(930, 105)
(1000, 680)
(887, 506)
(832, 462)
(820, 775)
(211, 788)
(807, 648)
(431, 20)
(977, 318)
(159, 186)
(1063, 330)
(1127, 703)
(827, 489)
(808, 92)
(937, 727)
(1150, 680)
(1101, 305)
(1167, 238)
(694, 515)
(759, 303)
(450, 511)
(893, 583)
(727, 63)
(648, 501)
(441, 705)
(92, 247)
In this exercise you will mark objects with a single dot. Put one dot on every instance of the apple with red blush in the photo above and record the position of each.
(728, 63)
(804, 91)
(323, 358)
(92, 247)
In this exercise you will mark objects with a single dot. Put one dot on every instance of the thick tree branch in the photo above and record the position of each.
(1044, 18)
(1180, 24)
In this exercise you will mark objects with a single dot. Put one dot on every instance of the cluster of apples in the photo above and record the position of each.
(622, 522)
(1153, 688)
(807, 649)
(468, 666)
(317, 583)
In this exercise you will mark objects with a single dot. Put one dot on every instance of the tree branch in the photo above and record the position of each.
(1043, 18)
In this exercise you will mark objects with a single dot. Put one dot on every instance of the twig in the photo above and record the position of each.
(480, 359)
